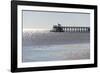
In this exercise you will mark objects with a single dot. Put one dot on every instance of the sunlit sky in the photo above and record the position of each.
(45, 20)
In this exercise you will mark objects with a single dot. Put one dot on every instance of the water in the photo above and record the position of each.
(53, 46)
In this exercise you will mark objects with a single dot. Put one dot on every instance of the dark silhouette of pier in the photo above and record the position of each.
(59, 28)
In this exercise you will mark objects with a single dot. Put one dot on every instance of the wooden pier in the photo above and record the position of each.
(60, 28)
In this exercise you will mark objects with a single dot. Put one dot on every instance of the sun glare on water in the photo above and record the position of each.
(34, 30)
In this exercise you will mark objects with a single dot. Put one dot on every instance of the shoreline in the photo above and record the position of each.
(56, 52)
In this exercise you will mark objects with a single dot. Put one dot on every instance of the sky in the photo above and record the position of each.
(46, 20)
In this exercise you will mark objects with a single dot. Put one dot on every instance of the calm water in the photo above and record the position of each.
(52, 46)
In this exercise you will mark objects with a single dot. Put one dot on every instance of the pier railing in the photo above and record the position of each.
(71, 29)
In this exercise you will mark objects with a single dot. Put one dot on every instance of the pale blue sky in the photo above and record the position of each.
(45, 20)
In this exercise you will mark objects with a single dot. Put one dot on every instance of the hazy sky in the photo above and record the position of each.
(45, 20)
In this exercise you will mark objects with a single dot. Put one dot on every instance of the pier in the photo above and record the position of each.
(59, 28)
